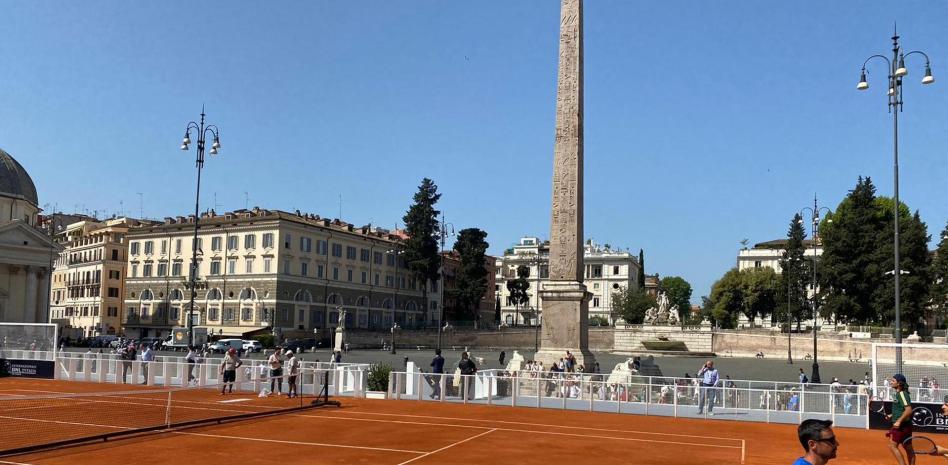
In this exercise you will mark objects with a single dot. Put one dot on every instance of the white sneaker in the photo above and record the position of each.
(711, 413)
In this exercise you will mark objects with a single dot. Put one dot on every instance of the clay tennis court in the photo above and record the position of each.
(386, 432)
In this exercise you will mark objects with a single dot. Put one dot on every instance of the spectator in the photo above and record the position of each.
(793, 404)
(147, 357)
(468, 369)
(292, 371)
(818, 441)
(709, 379)
(191, 359)
(836, 389)
(276, 372)
(803, 378)
(503, 356)
(437, 368)
(127, 355)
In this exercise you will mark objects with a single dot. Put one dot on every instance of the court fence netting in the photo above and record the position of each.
(40, 422)
(925, 367)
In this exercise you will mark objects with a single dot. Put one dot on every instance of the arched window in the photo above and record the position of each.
(146, 294)
(303, 295)
(410, 306)
(175, 294)
(248, 294)
(363, 301)
(334, 299)
(387, 304)
(214, 294)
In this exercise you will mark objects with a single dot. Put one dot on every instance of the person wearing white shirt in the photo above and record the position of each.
(276, 372)
(292, 370)
(709, 379)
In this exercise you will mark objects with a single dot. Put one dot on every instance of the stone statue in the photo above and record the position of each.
(674, 316)
(651, 316)
(342, 319)
(663, 303)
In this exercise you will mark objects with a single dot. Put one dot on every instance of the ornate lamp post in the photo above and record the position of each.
(896, 71)
(202, 132)
(814, 230)
(394, 328)
(444, 235)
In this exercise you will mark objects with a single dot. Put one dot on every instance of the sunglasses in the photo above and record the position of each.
(830, 440)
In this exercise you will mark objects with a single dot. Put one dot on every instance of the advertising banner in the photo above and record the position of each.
(30, 368)
(927, 418)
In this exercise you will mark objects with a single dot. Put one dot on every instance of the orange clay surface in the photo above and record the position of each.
(382, 432)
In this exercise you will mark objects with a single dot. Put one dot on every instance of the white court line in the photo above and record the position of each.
(280, 441)
(544, 425)
(14, 463)
(65, 422)
(233, 401)
(448, 447)
(519, 430)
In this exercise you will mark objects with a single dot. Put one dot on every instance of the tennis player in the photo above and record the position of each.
(292, 370)
(228, 369)
(818, 440)
(901, 418)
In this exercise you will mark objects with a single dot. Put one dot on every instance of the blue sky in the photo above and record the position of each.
(706, 122)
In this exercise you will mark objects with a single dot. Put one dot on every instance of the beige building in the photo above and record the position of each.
(606, 271)
(89, 278)
(26, 254)
(268, 271)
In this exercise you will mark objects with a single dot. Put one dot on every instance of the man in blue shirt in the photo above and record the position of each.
(709, 379)
(818, 440)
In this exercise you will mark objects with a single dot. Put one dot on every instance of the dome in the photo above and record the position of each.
(15, 181)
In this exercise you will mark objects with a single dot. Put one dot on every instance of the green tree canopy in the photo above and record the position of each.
(631, 304)
(791, 296)
(939, 275)
(421, 247)
(471, 282)
(679, 293)
(751, 292)
(518, 288)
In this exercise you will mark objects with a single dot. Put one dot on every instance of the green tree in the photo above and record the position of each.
(794, 277)
(421, 247)
(849, 268)
(727, 299)
(914, 262)
(679, 293)
(631, 304)
(641, 268)
(517, 288)
(751, 292)
(939, 276)
(759, 292)
(471, 275)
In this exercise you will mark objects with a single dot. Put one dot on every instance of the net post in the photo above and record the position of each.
(590, 386)
(802, 405)
(564, 391)
(102, 368)
(464, 382)
(490, 393)
(514, 388)
(418, 386)
(675, 399)
(767, 400)
(538, 389)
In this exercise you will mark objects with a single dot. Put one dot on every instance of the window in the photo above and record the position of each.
(134, 270)
(162, 269)
(365, 255)
(335, 273)
(177, 246)
(146, 270)
(286, 267)
(134, 248)
(164, 247)
(376, 279)
(304, 269)
(232, 243)
(267, 263)
(757, 264)
(200, 245)
(115, 274)
(145, 312)
(391, 259)
(337, 250)
(113, 311)
(615, 270)
(250, 241)
(351, 253)
(434, 286)
(596, 286)
(115, 255)
(377, 258)
(287, 240)
(389, 281)
(231, 266)
(215, 267)
(113, 292)
(216, 243)
(319, 271)
(175, 313)
(268, 240)
(176, 269)
(322, 247)
(595, 301)
(228, 314)
(365, 277)
(212, 314)
(349, 275)
(597, 271)
(245, 314)
(306, 244)
(248, 265)
(149, 247)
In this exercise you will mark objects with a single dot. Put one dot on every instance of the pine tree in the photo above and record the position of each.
(642, 268)
(471, 281)
(914, 263)
(794, 275)
(423, 230)
(518, 289)
(939, 276)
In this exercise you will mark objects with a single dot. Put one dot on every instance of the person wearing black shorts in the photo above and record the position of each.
(276, 372)
(228, 370)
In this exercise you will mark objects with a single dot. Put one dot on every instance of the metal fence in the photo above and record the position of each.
(775, 403)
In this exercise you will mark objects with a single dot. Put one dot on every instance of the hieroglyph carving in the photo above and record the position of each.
(566, 236)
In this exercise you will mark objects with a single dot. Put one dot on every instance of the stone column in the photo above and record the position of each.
(43, 302)
(565, 299)
(29, 302)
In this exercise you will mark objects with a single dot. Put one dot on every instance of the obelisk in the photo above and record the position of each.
(565, 300)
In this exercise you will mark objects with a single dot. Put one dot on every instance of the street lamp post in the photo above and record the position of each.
(394, 327)
(202, 131)
(814, 230)
(789, 321)
(444, 234)
(897, 70)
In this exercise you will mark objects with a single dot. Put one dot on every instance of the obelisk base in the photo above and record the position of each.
(565, 325)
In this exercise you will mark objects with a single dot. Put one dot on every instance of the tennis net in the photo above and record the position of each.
(47, 421)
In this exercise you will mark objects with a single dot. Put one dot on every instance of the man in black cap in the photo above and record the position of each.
(901, 418)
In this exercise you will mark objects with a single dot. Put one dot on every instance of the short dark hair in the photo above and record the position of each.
(811, 430)
(437, 351)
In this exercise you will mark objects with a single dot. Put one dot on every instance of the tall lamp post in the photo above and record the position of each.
(444, 235)
(789, 322)
(394, 327)
(202, 133)
(897, 71)
(814, 231)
